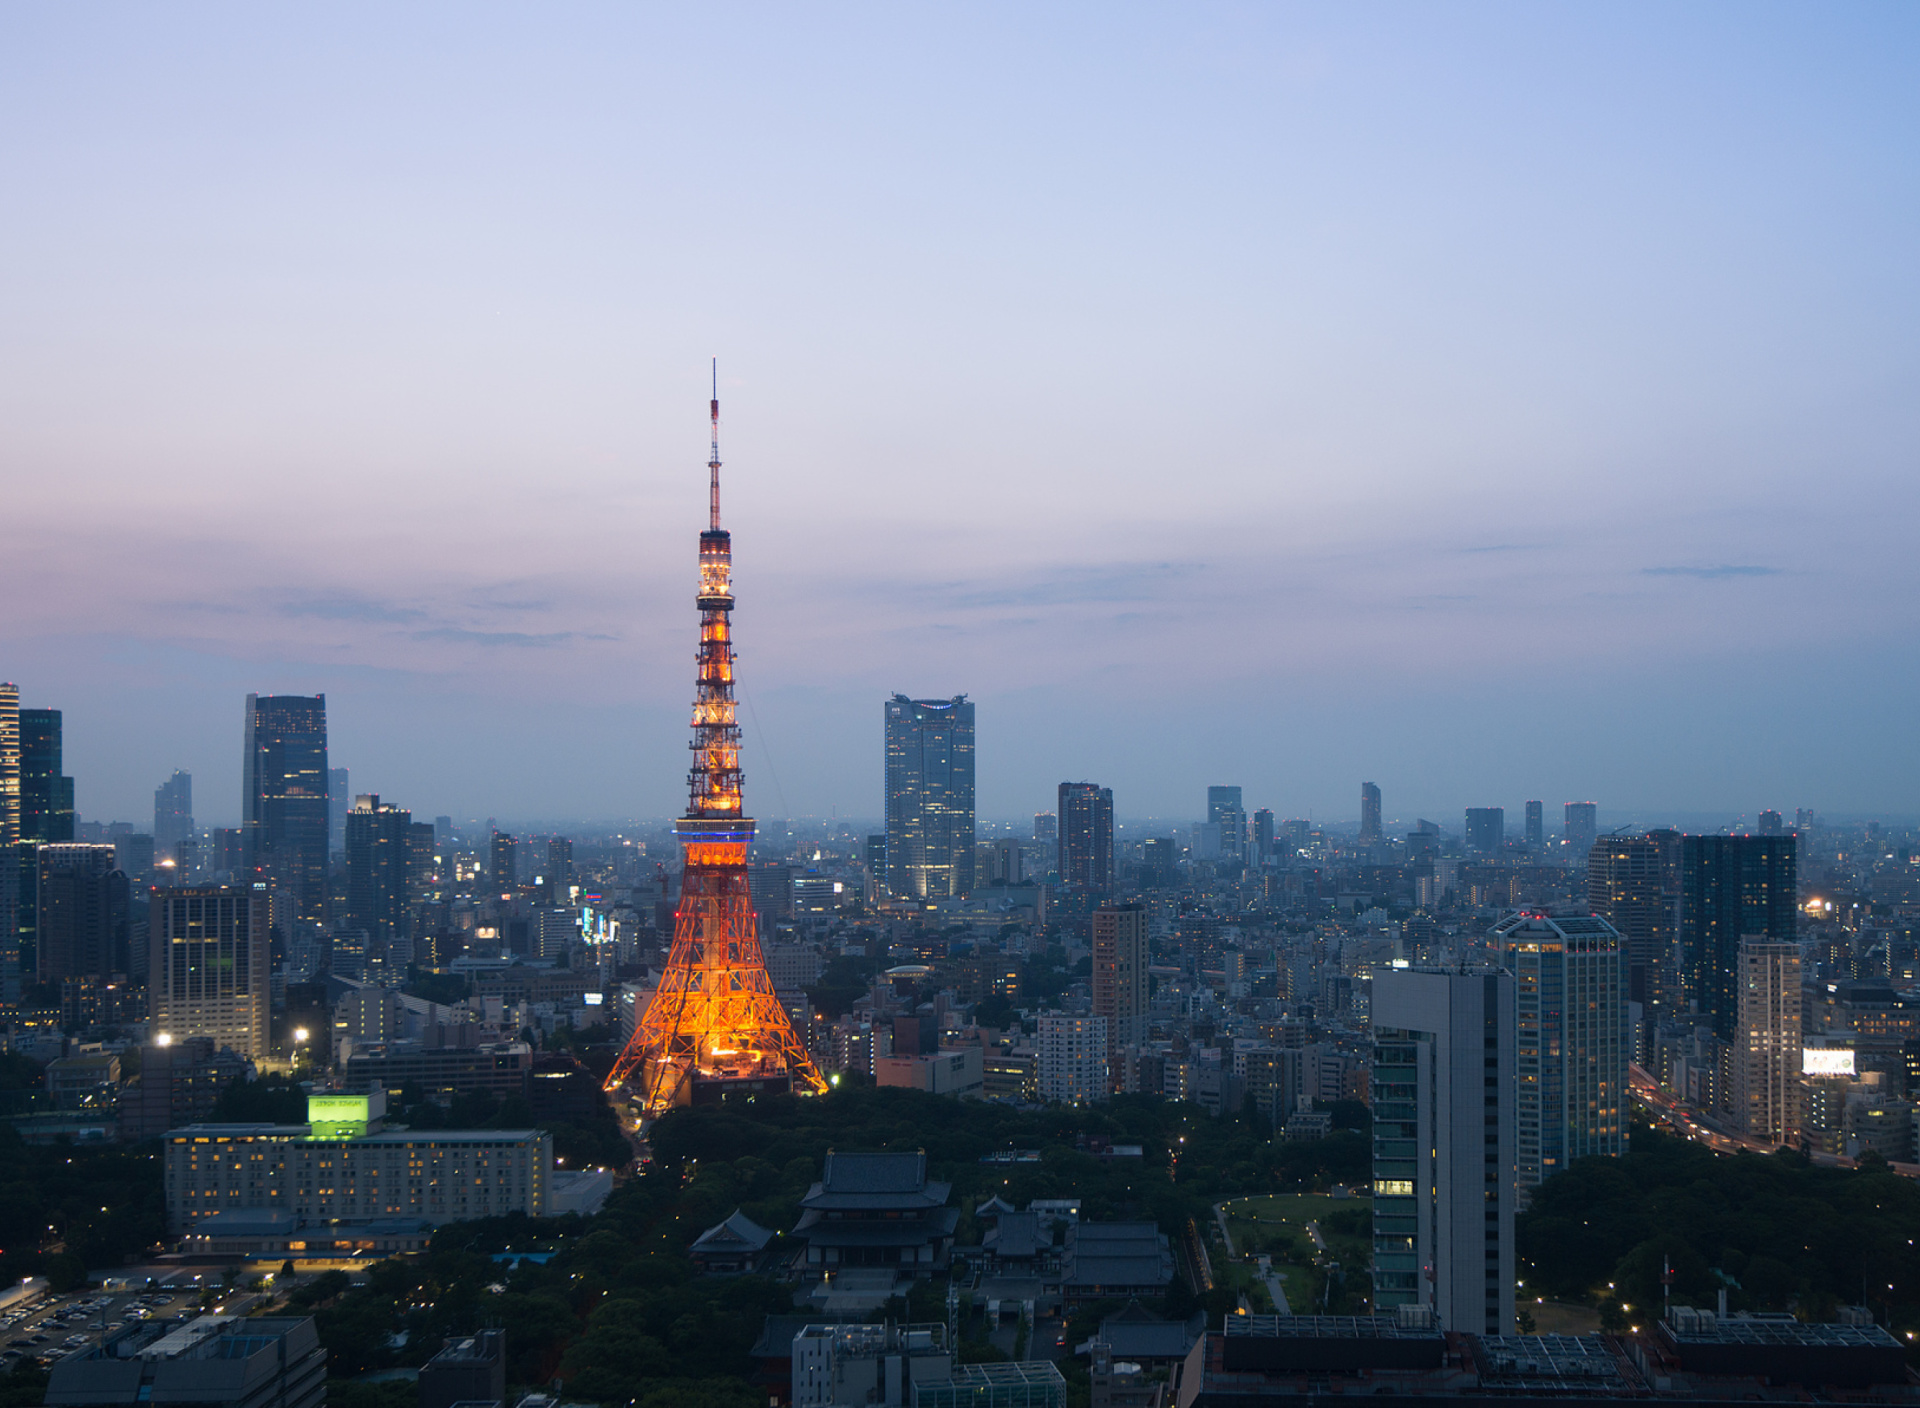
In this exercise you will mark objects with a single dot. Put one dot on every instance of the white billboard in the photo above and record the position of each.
(1826, 1061)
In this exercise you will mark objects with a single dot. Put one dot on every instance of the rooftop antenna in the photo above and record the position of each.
(713, 464)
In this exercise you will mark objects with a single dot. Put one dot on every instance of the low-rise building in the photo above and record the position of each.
(468, 1369)
(1107, 1260)
(179, 1083)
(730, 1248)
(83, 1082)
(958, 1071)
(440, 1072)
(336, 1168)
(216, 1361)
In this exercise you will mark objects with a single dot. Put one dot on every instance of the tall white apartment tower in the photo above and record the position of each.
(1443, 1144)
(1073, 1059)
(209, 974)
(1120, 975)
(1766, 1055)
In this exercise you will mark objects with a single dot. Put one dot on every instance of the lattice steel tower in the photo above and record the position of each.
(714, 1026)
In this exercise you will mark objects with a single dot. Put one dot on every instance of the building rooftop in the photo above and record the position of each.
(1117, 1254)
(213, 1133)
(875, 1182)
(1687, 1326)
(737, 1233)
(1321, 1327)
(1553, 1363)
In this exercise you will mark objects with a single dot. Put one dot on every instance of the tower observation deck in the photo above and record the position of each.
(714, 1026)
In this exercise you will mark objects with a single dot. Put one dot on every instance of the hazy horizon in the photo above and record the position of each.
(1492, 402)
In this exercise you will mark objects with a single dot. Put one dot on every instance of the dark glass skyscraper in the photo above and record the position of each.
(1731, 886)
(44, 816)
(1486, 830)
(1536, 826)
(283, 801)
(173, 812)
(1226, 811)
(46, 798)
(83, 913)
(1369, 812)
(929, 797)
(1263, 836)
(1630, 884)
(378, 847)
(1086, 836)
(1583, 827)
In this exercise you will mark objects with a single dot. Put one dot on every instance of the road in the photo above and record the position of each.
(1690, 1123)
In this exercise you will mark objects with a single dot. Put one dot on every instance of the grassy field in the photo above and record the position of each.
(1556, 1318)
(1276, 1224)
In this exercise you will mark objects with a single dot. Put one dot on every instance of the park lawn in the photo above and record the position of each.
(1560, 1318)
(1276, 1224)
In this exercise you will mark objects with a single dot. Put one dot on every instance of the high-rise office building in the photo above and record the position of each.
(930, 831)
(1086, 836)
(1583, 827)
(1120, 975)
(1263, 836)
(502, 859)
(1730, 887)
(1572, 1042)
(10, 885)
(1443, 1144)
(1225, 811)
(423, 849)
(173, 813)
(9, 765)
(339, 803)
(1486, 830)
(1001, 862)
(1369, 812)
(1536, 826)
(46, 797)
(1046, 827)
(208, 975)
(379, 856)
(1767, 1049)
(84, 905)
(1631, 884)
(1159, 861)
(283, 802)
(1771, 824)
(45, 817)
(228, 855)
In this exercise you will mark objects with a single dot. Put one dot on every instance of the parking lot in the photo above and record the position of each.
(55, 1326)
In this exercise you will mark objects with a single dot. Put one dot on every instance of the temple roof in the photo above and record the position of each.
(876, 1182)
(738, 1233)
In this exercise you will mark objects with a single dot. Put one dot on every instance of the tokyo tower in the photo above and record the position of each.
(714, 1027)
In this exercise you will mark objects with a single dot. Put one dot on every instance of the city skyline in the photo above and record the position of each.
(1387, 860)
(1508, 418)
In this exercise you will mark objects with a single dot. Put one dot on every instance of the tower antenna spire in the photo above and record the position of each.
(713, 462)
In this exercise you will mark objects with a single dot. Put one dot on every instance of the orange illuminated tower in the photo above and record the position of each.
(714, 1026)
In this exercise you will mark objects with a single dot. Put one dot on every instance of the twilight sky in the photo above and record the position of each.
(1491, 401)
